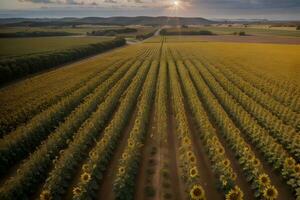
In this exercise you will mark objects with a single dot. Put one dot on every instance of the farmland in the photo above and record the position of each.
(164, 119)
(11, 47)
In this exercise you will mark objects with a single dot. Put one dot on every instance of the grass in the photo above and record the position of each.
(10, 47)
(247, 30)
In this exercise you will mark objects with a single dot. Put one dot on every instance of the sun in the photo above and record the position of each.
(176, 3)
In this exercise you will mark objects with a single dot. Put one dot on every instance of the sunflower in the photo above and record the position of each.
(186, 141)
(121, 170)
(190, 153)
(77, 191)
(297, 169)
(197, 193)
(93, 154)
(46, 195)
(192, 159)
(131, 143)
(124, 156)
(193, 172)
(85, 167)
(264, 179)
(270, 193)
(233, 176)
(85, 177)
(235, 194)
(289, 162)
(226, 162)
(221, 150)
(256, 162)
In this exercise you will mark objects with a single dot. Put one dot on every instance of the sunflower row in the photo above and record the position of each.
(251, 166)
(273, 152)
(19, 143)
(70, 159)
(161, 123)
(285, 135)
(20, 102)
(128, 165)
(283, 96)
(220, 163)
(283, 113)
(283, 83)
(100, 155)
(188, 169)
(40, 160)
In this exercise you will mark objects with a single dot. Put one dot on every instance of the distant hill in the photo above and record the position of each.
(141, 20)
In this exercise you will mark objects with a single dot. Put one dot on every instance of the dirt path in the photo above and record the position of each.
(106, 188)
(174, 156)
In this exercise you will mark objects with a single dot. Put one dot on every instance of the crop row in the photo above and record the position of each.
(251, 166)
(128, 165)
(188, 168)
(284, 134)
(273, 152)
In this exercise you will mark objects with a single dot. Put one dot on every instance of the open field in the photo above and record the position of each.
(221, 30)
(230, 38)
(10, 47)
(165, 119)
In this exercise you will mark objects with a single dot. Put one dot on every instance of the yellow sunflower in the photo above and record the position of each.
(77, 191)
(121, 170)
(226, 162)
(85, 167)
(46, 195)
(85, 177)
(186, 141)
(192, 159)
(289, 162)
(270, 193)
(264, 179)
(197, 193)
(297, 169)
(193, 172)
(124, 156)
(235, 194)
(256, 162)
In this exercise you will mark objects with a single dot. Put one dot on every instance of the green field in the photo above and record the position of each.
(248, 30)
(10, 47)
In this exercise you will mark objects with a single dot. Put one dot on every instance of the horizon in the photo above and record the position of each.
(209, 9)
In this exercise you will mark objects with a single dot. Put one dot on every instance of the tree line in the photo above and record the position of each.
(13, 68)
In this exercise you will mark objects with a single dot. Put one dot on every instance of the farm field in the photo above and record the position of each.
(10, 47)
(221, 30)
(164, 119)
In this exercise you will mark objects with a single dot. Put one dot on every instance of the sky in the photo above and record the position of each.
(211, 9)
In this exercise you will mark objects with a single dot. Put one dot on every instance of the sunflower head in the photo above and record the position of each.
(121, 170)
(85, 167)
(297, 169)
(86, 177)
(193, 159)
(193, 172)
(77, 191)
(289, 162)
(256, 162)
(186, 141)
(131, 143)
(264, 179)
(226, 162)
(197, 193)
(124, 156)
(46, 195)
(235, 194)
(270, 193)
(221, 150)
(189, 153)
